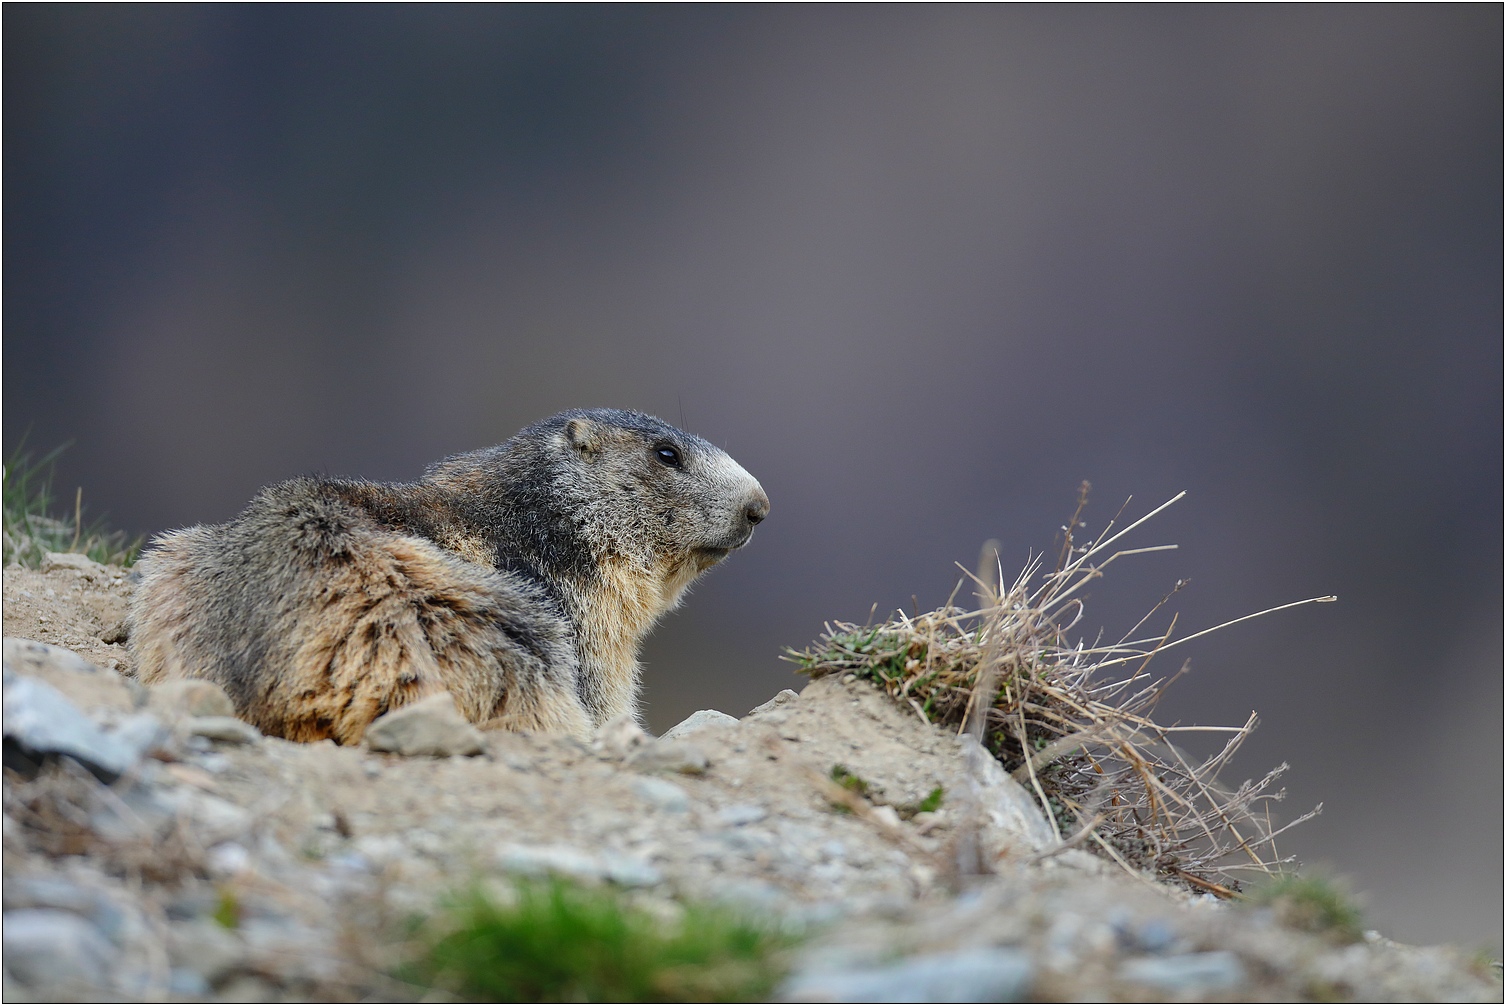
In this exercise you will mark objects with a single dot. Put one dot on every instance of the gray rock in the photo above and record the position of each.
(784, 697)
(662, 794)
(207, 949)
(144, 734)
(741, 813)
(44, 891)
(187, 984)
(191, 697)
(1186, 974)
(994, 974)
(630, 871)
(226, 729)
(703, 720)
(27, 656)
(431, 727)
(76, 561)
(55, 951)
(214, 820)
(1007, 806)
(40, 723)
(665, 755)
(565, 861)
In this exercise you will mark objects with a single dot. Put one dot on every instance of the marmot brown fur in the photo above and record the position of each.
(520, 578)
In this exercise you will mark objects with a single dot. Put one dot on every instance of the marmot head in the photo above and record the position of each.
(591, 488)
(651, 493)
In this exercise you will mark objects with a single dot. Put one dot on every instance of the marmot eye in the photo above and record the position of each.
(668, 455)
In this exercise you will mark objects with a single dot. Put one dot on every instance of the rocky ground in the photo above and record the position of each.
(176, 854)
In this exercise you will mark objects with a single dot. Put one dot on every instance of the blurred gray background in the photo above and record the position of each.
(921, 270)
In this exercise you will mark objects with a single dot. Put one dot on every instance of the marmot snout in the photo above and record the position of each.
(520, 578)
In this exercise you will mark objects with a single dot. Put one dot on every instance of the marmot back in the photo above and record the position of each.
(520, 578)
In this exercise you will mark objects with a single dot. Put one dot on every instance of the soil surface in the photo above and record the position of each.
(226, 866)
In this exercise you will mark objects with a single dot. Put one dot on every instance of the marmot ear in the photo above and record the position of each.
(584, 435)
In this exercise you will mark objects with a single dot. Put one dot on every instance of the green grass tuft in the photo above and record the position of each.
(560, 942)
(31, 528)
(849, 780)
(929, 805)
(1313, 904)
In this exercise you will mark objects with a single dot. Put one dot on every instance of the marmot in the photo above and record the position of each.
(520, 578)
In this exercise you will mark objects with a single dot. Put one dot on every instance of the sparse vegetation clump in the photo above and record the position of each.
(561, 942)
(1313, 904)
(1071, 719)
(32, 528)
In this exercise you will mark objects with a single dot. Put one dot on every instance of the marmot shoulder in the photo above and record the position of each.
(521, 578)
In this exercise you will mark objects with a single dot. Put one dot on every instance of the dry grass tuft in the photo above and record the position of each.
(32, 528)
(1072, 721)
(63, 810)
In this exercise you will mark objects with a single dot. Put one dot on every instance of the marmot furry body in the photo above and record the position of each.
(520, 578)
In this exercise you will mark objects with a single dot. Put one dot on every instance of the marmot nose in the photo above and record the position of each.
(757, 509)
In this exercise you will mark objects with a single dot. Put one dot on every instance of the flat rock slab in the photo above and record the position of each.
(430, 727)
(40, 723)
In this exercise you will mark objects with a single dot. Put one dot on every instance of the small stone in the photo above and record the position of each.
(228, 859)
(539, 860)
(27, 656)
(187, 984)
(225, 729)
(247, 989)
(117, 633)
(205, 948)
(76, 561)
(784, 697)
(665, 755)
(47, 949)
(144, 734)
(630, 871)
(191, 697)
(995, 974)
(619, 738)
(662, 794)
(562, 860)
(702, 720)
(1186, 974)
(431, 727)
(741, 813)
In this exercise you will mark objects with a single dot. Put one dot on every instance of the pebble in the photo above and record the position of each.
(205, 948)
(52, 951)
(666, 755)
(1000, 975)
(662, 794)
(1186, 974)
(563, 860)
(704, 719)
(619, 738)
(225, 729)
(192, 697)
(430, 727)
(741, 813)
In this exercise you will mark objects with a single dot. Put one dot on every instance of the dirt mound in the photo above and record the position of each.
(222, 865)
